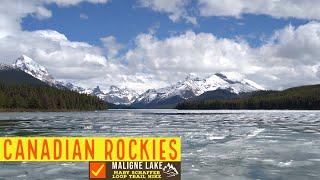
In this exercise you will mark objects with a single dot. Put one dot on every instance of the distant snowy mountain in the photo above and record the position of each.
(193, 86)
(13, 76)
(40, 72)
(115, 95)
(185, 89)
(71, 87)
(234, 82)
(97, 92)
(121, 96)
(5, 67)
(31, 67)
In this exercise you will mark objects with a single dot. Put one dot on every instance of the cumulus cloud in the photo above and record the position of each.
(12, 11)
(175, 8)
(84, 16)
(42, 13)
(65, 59)
(178, 9)
(77, 62)
(186, 53)
(290, 58)
(55, 51)
(308, 9)
(72, 2)
(111, 45)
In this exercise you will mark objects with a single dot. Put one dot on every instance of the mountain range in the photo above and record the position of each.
(230, 83)
(193, 86)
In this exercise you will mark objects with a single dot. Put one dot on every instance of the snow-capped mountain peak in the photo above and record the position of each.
(191, 76)
(234, 82)
(193, 85)
(114, 89)
(237, 82)
(185, 89)
(115, 94)
(97, 91)
(36, 70)
(5, 67)
(121, 95)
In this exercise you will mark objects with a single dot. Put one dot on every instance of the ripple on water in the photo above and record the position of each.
(216, 144)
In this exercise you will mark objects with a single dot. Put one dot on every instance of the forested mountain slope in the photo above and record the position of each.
(299, 98)
(20, 91)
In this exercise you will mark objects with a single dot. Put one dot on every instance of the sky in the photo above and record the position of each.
(143, 44)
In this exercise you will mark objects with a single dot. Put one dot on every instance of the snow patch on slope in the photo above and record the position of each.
(36, 70)
(4, 67)
(194, 86)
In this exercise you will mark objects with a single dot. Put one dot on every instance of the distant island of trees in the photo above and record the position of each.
(298, 98)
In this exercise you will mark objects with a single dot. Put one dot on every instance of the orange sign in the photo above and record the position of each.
(97, 170)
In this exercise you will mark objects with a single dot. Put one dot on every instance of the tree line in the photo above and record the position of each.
(26, 97)
(304, 97)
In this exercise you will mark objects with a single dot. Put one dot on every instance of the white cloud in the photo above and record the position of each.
(77, 62)
(84, 16)
(42, 13)
(172, 58)
(178, 9)
(72, 2)
(53, 50)
(66, 60)
(111, 45)
(12, 11)
(175, 8)
(306, 9)
(290, 58)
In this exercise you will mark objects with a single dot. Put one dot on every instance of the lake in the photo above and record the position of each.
(216, 144)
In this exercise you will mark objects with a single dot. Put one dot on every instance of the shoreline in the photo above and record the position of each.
(47, 110)
(76, 110)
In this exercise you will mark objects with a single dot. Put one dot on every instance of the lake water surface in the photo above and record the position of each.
(216, 144)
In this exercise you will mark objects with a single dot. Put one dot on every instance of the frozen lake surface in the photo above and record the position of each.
(216, 144)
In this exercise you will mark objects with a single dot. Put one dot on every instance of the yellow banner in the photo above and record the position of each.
(79, 149)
